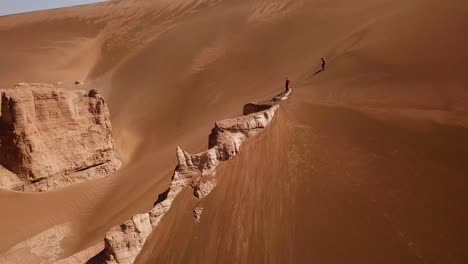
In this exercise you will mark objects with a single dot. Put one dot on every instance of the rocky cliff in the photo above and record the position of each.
(124, 242)
(51, 137)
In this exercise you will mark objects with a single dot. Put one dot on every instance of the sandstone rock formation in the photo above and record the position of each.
(228, 134)
(123, 243)
(251, 108)
(51, 137)
(197, 214)
(202, 189)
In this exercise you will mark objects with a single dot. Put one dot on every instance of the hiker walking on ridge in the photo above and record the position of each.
(323, 63)
(287, 84)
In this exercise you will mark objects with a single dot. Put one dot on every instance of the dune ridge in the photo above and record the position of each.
(379, 159)
(123, 243)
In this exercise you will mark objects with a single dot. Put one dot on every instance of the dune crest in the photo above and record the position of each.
(124, 242)
(370, 148)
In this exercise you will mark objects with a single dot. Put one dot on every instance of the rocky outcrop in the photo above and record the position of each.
(197, 214)
(202, 189)
(251, 108)
(124, 242)
(52, 137)
(228, 135)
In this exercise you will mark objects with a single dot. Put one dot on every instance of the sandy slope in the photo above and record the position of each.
(362, 172)
(332, 185)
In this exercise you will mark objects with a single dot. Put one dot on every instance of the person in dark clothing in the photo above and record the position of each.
(287, 84)
(323, 64)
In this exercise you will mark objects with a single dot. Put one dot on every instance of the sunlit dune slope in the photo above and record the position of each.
(329, 185)
(368, 156)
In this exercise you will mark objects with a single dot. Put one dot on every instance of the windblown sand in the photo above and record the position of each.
(365, 163)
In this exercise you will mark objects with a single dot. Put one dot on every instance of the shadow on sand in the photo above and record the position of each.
(319, 71)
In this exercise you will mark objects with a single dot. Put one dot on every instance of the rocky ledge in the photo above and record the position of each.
(124, 242)
(52, 137)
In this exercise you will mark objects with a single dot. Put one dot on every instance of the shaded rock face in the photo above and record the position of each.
(123, 243)
(51, 137)
(251, 108)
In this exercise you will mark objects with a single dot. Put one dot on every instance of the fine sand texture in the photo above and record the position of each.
(366, 162)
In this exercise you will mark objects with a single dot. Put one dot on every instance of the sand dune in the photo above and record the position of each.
(366, 163)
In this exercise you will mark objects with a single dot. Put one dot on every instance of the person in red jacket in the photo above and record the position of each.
(287, 84)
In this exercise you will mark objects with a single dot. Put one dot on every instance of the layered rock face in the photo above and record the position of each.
(123, 243)
(51, 137)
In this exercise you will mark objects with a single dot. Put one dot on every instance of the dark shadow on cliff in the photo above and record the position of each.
(98, 259)
(161, 197)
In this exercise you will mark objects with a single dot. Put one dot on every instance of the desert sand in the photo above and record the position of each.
(366, 162)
